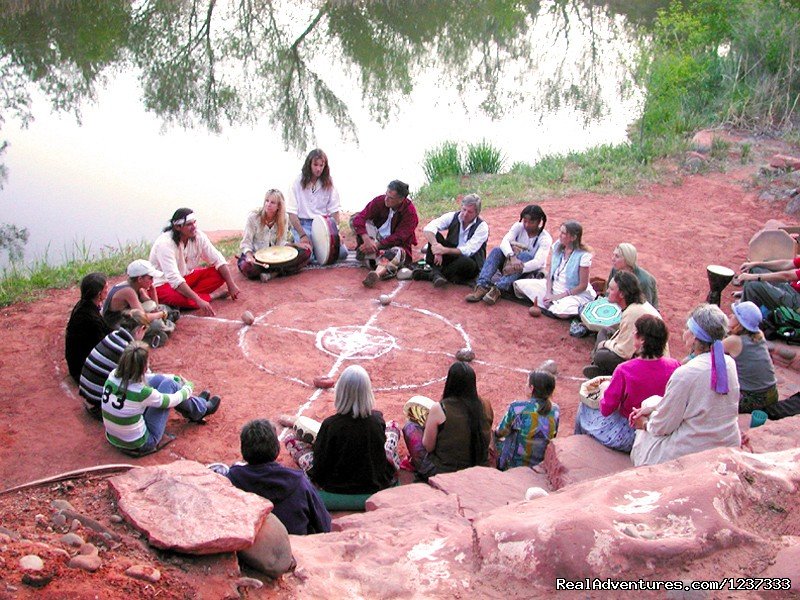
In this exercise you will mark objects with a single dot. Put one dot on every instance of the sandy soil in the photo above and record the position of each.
(267, 369)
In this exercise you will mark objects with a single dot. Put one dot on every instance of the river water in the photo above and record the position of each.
(532, 79)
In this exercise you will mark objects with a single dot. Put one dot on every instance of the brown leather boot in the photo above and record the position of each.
(492, 296)
(477, 294)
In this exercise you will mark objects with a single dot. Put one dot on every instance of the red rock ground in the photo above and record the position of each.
(265, 370)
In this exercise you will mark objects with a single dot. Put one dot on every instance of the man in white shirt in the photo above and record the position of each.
(179, 253)
(522, 253)
(458, 255)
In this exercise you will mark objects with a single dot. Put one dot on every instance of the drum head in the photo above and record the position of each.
(600, 313)
(325, 239)
(720, 270)
(276, 255)
(417, 409)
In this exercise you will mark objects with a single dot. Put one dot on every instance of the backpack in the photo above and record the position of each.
(786, 322)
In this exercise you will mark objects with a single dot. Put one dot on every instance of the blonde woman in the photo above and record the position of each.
(269, 226)
(624, 258)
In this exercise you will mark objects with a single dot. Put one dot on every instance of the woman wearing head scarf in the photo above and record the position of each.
(700, 406)
(747, 346)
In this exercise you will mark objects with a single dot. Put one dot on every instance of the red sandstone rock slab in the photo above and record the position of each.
(480, 489)
(783, 161)
(786, 561)
(410, 514)
(403, 495)
(417, 552)
(778, 435)
(693, 515)
(183, 506)
(579, 458)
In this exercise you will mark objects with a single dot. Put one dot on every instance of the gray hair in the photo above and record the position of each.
(354, 393)
(712, 320)
(472, 200)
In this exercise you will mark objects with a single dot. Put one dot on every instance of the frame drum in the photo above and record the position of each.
(417, 409)
(600, 313)
(275, 256)
(307, 429)
(325, 239)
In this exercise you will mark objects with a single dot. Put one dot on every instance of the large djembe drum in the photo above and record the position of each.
(325, 239)
(718, 279)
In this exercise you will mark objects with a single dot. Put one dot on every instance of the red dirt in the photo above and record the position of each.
(678, 229)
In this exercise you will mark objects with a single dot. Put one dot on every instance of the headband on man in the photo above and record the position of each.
(189, 218)
(719, 373)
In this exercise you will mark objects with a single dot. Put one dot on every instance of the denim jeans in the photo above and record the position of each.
(494, 263)
(193, 407)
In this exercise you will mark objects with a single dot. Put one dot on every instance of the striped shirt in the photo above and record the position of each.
(102, 360)
(122, 411)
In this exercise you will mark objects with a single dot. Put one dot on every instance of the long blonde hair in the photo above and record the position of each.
(132, 364)
(280, 218)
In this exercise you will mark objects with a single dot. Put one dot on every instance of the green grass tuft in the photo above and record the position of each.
(483, 158)
(443, 161)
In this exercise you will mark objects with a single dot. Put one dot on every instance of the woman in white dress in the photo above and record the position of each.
(566, 290)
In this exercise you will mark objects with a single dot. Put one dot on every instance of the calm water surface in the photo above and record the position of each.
(185, 110)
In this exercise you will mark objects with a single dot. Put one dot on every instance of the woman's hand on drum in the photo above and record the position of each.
(248, 256)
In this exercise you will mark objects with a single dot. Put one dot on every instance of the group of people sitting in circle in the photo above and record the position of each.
(653, 407)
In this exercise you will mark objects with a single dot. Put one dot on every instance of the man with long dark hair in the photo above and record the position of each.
(179, 253)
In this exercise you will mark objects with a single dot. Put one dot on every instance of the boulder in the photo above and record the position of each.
(704, 516)
(184, 506)
(786, 561)
(703, 140)
(271, 552)
(565, 460)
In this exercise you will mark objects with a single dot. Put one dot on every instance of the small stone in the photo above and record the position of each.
(385, 299)
(75, 525)
(550, 366)
(59, 520)
(31, 562)
(535, 312)
(87, 562)
(61, 505)
(40, 519)
(72, 539)
(11, 588)
(116, 519)
(404, 274)
(324, 382)
(465, 355)
(35, 580)
(248, 318)
(249, 582)
(786, 353)
(4, 538)
(88, 550)
(143, 572)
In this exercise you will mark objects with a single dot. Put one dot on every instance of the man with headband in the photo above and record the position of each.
(179, 253)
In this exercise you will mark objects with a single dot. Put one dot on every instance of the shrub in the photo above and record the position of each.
(483, 158)
(443, 161)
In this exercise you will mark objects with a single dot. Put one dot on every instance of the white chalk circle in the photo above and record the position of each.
(355, 342)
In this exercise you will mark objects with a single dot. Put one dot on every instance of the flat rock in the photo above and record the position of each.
(783, 161)
(786, 561)
(72, 539)
(86, 562)
(565, 460)
(404, 495)
(143, 572)
(471, 486)
(184, 506)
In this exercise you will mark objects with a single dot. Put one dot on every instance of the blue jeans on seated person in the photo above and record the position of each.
(494, 263)
(193, 408)
(306, 223)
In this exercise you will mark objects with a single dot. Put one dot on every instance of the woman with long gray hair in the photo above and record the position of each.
(355, 451)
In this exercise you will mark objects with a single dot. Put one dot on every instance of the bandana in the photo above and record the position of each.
(187, 219)
(719, 372)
